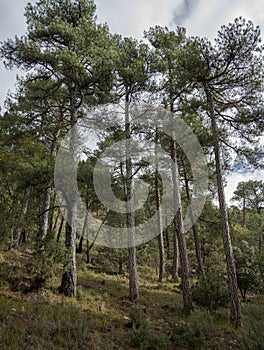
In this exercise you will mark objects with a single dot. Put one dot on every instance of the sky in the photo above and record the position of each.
(131, 18)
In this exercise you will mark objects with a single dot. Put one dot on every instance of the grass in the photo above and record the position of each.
(100, 316)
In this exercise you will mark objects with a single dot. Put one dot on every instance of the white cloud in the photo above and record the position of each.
(209, 15)
(235, 178)
(131, 18)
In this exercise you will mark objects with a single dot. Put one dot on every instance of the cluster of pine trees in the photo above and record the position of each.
(75, 66)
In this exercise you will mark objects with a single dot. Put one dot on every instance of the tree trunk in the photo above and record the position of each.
(132, 263)
(179, 226)
(198, 251)
(56, 221)
(88, 249)
(60, 229)
(235, 311)
(17, 233)
(44, 217)
(159, 221)
(244, 213)
(167, 239)
(80, 246)
(175, 261)
(52, 214)
(69, 277)
(83, 232)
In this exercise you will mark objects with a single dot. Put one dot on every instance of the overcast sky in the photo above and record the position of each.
(131, 18)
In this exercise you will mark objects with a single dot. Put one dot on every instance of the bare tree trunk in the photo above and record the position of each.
(83, 232)
(167, 239)
(52, 213)
(68, 285)
(179, 225)
(17, 233)
(69, 277)
(235, 310)
(88, 249)
(244, 213)
(56, 221)
(60, 229)
(175, 261)
(132, 263)
(194, 226)
(159, 223)
(44, 217)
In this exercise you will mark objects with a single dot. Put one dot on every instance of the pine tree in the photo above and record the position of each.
(64, 42)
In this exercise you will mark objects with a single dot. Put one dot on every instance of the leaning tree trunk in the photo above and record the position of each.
(179, 225)
(198, 251)
(60, 228)
(17, 233)
(80, 246)
(132, 263)
(159, 221)
(235, 310)
(69, 278)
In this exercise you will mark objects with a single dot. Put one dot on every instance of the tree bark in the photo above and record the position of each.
(175, 261)
(159, 221)
(80, 247)
(17, 233)
(52, 214)
(198, 251)
(167, 239)
(56, 221)
(244, 213)
(132, 263)
(69, 278)
(60, 229)
(235, 310)
(179, 226)
(44, 217)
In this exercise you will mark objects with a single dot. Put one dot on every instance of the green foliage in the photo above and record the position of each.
(43, 327)
(252, 335)
(46, 262)
(141, 334)
(194, 332)
(246, 268)
(210, 292)
(252, 192)
(259, 261)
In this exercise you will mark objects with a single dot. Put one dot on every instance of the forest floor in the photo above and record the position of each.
(101, 317)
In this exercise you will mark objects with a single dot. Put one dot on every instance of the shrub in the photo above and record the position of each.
(193, 332)
(43, 327)
(44, 263)
(252, 335)
(141, 334)
(210, 292)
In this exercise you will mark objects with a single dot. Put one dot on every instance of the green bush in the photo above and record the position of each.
(141, 334)
(45, 262)
(253, 335)
(193, 332)
(210, 292)
(43, 327)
